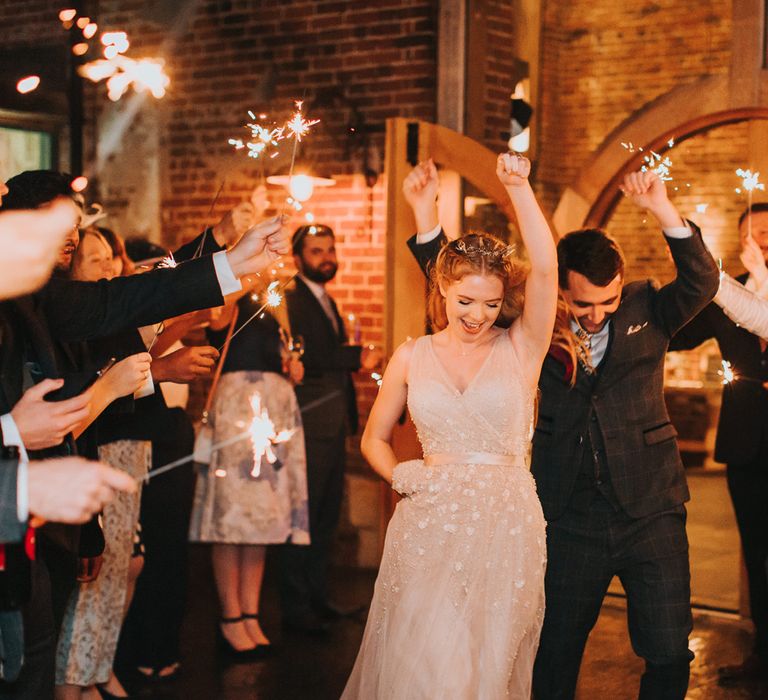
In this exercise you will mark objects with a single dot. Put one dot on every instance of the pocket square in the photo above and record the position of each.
(636, 329)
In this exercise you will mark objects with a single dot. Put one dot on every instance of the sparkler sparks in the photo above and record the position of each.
(749, 181)
(297, 125)
(264, 435)
(168, 262)
(727, 373)
(121, 72)
(273, 297)
(262, 139)
(655, 162)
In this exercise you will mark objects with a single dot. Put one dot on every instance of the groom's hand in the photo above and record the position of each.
(420, 189)
(648, 191)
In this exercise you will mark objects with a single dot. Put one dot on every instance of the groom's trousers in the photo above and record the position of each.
(650, 556)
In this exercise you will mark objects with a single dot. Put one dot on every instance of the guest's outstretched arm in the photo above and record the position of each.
(376, 444)
(743, 306)
(533, 330)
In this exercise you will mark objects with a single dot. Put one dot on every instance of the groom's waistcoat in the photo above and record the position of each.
(625, 402)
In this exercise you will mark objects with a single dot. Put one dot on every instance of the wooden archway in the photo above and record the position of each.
(680, 114)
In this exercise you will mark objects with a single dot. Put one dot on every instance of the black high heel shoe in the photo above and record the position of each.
(262, 651)
(227, 648)
(106, 695)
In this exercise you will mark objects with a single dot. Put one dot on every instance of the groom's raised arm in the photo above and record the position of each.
(420, 189)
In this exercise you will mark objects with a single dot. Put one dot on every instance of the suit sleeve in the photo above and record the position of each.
(694, 287)
(426, 253)
(11, 530)
(84, 310)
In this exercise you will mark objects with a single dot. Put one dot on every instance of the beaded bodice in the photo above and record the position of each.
(494, 414)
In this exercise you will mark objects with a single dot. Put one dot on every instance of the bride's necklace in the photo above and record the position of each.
(462, 352)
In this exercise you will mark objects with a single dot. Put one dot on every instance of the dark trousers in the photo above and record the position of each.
(151, 632)
(52, 582)
(304, 569)
(650, 557)
(748, 486)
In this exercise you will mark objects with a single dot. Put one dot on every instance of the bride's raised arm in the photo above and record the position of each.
(532, 332)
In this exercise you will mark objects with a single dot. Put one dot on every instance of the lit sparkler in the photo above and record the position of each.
(28, 84)
(727, 373)
(121, 73)
(264, 435)
(749, 183)
(274, 299)
(298, 127)
(655, 162)
(168, 261)
(262, 140)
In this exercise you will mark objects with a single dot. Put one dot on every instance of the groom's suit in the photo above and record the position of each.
(612, 486)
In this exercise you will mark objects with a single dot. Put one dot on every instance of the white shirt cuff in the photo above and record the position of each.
(146, 389)
(677, 232)
(22, 492)
(227, 281)
(428, 236)
(12, 436)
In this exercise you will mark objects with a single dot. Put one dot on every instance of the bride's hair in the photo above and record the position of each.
(477, 254)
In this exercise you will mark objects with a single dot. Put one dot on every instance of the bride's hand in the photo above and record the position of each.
(512, 169)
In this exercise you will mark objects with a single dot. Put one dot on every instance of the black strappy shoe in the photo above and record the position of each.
(226, 647)
(262, 651)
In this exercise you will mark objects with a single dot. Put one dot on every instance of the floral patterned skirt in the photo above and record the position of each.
(94, 614)
(237, 502)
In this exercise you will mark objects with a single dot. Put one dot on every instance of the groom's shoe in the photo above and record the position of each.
(750, 671)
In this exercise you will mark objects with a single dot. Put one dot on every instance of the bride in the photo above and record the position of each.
(459, 599)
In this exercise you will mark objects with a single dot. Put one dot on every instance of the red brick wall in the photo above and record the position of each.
(603, 60)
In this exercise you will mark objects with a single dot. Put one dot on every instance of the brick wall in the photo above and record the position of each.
(602, 60)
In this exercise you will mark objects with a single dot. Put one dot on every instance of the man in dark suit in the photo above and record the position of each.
(605, 458)
(329, 413)
(742, 438)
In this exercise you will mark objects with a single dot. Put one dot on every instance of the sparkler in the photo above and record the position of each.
(28, 84)
(727, 373)
(749, 182)
(298, 127)
(273, 299)
(653, 161)
(264, 435)
(168, 261)
(121, 72)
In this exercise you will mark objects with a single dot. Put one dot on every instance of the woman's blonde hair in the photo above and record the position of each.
(477, 254)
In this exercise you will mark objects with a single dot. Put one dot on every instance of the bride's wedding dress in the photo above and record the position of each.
(459, 600)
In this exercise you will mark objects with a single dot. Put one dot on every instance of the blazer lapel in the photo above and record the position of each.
(312, 300)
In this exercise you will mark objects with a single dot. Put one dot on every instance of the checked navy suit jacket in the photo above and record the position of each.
(626, 399)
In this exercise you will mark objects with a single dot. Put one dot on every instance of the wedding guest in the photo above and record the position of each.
(242, 506)
(605, 458)
(329, 412)
(31, 241)
(742, 431)
(71, 310)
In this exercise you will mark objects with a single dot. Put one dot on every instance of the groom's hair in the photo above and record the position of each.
(590, 252)
(35, 188)
(757, 208)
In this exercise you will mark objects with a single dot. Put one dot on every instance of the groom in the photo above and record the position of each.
(605, 457)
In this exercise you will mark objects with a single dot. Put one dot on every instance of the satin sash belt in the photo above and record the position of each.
(442, 458)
